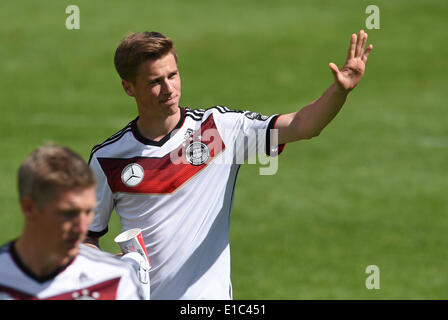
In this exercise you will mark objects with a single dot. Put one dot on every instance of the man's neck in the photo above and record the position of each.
(35, 258)
(156, 127)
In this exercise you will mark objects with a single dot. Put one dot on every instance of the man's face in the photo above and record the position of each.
(157, 87)
(62, 224)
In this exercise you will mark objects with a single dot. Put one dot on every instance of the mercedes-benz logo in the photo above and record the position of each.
(132, 174)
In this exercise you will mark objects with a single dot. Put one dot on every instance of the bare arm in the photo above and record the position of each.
(313, 118)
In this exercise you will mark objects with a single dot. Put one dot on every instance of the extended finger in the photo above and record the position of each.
(363, 44)
(366, 54)
(358, 50)
(352, 47)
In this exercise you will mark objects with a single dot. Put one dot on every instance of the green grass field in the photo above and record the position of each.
(370, 190)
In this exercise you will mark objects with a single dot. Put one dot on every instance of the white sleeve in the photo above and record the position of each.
(105, 201)
(248, 132)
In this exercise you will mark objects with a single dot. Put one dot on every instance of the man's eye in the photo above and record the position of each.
(69, 214)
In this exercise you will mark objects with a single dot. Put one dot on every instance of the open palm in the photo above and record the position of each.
(351, 73)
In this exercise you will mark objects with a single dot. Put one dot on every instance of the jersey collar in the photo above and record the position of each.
(161, 142)
(41, 279)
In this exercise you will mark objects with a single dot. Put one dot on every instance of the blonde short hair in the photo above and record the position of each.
(139, 47)
(50, 170)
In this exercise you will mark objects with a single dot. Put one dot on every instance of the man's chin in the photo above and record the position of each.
(171, 108)
(73, 252)
(72, 249)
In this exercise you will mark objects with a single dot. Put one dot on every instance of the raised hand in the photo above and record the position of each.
(351, 73)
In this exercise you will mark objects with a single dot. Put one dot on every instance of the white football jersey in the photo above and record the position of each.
(91, 275)
(179, 191)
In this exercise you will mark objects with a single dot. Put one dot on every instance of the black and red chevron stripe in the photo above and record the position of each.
(163, 175)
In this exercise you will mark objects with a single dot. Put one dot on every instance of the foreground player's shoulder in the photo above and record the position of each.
(99, 256)
(4, 248)
(106, 261)
(8, 269)
(4, 252)
(89, 253)
(106, 268)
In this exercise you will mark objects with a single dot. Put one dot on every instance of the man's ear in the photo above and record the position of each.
(128, 87)
(29, 207)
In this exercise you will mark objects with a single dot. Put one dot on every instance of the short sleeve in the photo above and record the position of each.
(105, 202)
(250, 133)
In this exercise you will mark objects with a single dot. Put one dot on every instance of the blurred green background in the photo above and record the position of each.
(370, 190)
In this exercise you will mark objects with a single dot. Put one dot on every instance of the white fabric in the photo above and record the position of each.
(93, 274)
(185, 226)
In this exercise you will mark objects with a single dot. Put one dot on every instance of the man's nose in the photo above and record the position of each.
(82, 223)
(167, 87)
